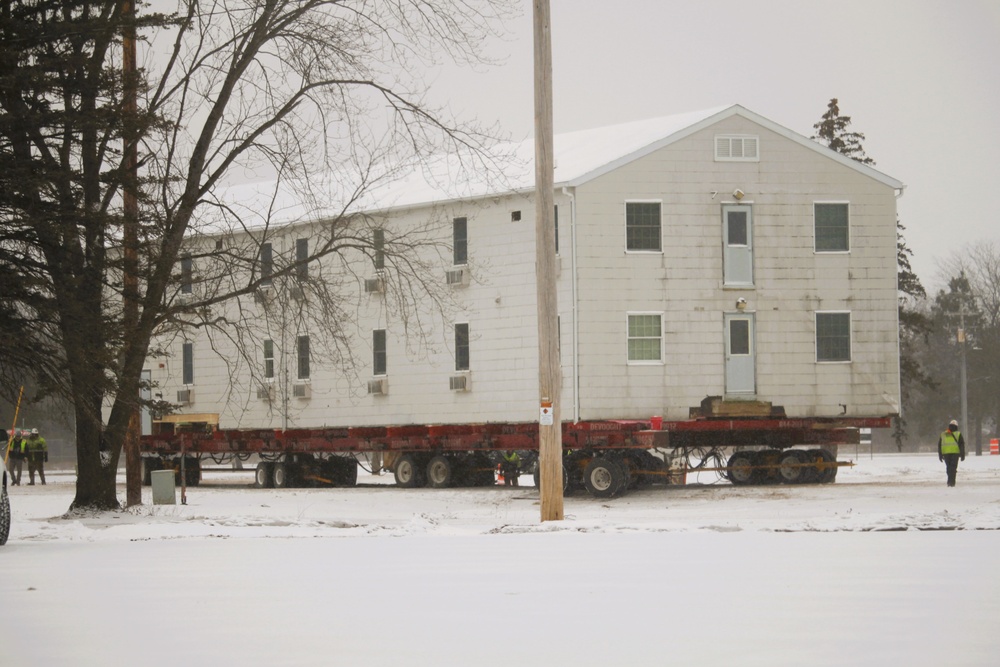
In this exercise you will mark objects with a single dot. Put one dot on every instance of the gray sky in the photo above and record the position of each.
(919, 78)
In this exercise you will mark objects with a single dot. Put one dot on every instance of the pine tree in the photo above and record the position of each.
(914, 326)
(832, 130)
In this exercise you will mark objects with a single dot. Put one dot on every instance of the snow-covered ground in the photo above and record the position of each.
(887, 566)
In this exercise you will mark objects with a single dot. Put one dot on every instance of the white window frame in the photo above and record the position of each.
(468, 346)
(187, 362)
(187, 274)
(269, 367)
(643, 362)
(728, 139)
(302, 254)
(384, 371)
(850, 336)
(625, 226)
(849, 235)
(303, 374)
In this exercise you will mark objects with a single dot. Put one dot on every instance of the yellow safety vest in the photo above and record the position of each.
(949, 442)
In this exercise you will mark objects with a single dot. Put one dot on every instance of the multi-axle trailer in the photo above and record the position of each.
(605, 457)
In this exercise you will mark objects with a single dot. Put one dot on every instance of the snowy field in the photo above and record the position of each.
(885, 567)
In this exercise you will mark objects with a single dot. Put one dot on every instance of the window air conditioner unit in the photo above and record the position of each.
(374, 286)
(185, 396)
(298, 293)
(265, 392)
(378, 386)
(459, 383)
(263, 295)
(457, 277)
(301, 390)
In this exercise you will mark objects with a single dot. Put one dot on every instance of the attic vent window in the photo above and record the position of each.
(737, 148)
(515, 216)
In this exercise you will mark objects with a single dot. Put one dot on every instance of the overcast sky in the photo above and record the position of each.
(919, 78)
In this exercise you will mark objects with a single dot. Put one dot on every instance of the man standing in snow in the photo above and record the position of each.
(15, 457)
(511, 468)
(38, 454)
(951, 448)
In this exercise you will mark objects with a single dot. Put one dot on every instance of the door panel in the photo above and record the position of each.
(740, 354)
(737, 241)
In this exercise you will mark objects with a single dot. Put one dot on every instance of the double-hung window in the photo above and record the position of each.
(269, 359)
(642, 226)
(460, 241)
(378, 248)
(378, 352)
(302, 350)
(462, 347)
(187, 274)
(266, 263)
(187, 363)
(645, 337)
(832, 225)
(833, 336)
(301, 255)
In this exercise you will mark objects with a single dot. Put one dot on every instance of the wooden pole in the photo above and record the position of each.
(130, 238)
(549, 375)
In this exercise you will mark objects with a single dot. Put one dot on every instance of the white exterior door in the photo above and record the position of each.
(737, 240)
(741, 379)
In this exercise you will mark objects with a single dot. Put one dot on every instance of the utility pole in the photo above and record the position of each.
(549, 376)
(130, 239)
(964, 380)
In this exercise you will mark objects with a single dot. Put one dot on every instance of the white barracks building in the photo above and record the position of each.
(708, 254)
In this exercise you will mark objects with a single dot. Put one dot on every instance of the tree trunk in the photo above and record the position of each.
(96, 475)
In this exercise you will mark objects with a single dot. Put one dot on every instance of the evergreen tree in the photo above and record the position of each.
(832, 130)
(328, 94)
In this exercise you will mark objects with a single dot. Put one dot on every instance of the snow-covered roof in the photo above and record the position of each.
(579, 157)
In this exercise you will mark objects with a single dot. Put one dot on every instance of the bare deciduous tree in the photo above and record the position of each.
(326, 96)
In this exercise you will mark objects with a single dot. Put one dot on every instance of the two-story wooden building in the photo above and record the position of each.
(706, 254)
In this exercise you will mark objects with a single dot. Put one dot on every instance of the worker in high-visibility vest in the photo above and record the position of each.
(511, 468)
(951, 448)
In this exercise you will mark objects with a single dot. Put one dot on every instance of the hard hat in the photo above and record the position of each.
(953, 422)
(34, 431)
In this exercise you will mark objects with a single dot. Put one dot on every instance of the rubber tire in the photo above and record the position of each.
(439, 472)
(4, 512)
(536, 475)
(484, 473)
(407, 472)
(192, 470)
(604, 478)
(149, 464)
(281, 475)
(741, 470)
(349, 473)
(795, 473)
(263, 476)
(828, 474)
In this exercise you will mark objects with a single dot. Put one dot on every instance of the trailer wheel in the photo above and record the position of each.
(792, 466)
(4, 512)
(536, 475)
(828, 468)
(282, 475)
(741, 468)
(406, 472)
(263, 477)
(192, 471)
(439, 472)
(149, 464)
(484, 472)
(603, 477)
